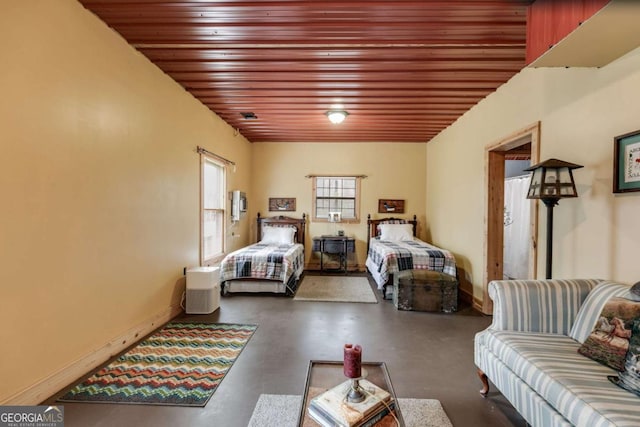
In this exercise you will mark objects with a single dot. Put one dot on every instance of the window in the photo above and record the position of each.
(213, 203)
(336, 194)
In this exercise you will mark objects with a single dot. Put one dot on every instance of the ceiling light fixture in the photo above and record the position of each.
(336, 116)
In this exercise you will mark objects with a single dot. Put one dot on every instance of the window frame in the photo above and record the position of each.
(356, 198)
(204, 158)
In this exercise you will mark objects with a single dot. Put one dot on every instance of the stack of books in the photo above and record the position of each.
(331, 408)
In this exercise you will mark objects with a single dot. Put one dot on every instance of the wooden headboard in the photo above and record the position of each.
(372, 225)
(298, 223)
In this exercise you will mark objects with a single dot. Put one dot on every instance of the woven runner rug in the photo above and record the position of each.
(182, 364)
(336, 289)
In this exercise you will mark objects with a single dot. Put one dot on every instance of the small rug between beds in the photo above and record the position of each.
(182, 365)
(336, 289)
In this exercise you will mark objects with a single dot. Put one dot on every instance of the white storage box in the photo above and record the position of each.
(203, 290)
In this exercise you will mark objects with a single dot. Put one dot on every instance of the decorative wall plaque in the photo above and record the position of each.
(390, 206)
(282, 204)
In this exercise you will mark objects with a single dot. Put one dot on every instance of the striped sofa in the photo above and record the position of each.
(529, 353)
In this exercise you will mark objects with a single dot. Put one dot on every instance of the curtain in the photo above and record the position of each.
(213, 203)
(517, 215)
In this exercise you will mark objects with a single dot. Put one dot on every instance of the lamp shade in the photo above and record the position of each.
(552, 179)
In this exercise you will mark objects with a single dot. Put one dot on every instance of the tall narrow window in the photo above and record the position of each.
(213, 207)
(336, 194)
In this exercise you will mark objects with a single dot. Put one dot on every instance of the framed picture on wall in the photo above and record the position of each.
(390, 206)
(626, 162)
(286, 204)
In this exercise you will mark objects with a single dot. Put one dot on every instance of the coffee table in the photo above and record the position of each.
(324, 374)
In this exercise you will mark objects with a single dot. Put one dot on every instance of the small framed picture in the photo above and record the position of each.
(626, 162)
(282, 204)
(390, 206)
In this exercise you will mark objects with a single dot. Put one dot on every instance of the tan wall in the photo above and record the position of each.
(394, 171)
(99, 187)
(581, 110)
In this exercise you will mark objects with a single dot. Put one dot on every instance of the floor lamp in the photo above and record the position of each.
(551, 181)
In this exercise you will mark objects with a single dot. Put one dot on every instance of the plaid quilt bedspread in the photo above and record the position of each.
(392, 257)
(263, 261)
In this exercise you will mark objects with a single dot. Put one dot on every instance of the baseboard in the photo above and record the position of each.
(46, 387)
(315, 267)
(477, 304)
(465, 296)
(468, 298)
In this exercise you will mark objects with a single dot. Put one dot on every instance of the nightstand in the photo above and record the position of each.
(341, 245)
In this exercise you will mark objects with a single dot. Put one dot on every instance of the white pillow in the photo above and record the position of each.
(396, 232)
(278, 235)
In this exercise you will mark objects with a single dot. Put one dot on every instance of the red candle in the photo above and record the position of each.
(352, 361)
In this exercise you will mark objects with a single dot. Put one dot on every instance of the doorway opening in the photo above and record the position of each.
(522, 145)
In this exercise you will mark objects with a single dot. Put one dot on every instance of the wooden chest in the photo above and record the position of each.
(424, 290)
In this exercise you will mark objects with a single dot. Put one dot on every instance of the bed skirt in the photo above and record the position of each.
(261, 286)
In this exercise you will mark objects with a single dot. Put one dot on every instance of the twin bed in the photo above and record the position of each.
(274, 264)
(393, 249)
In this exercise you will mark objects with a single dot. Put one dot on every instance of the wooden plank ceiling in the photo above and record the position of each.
(404, 70)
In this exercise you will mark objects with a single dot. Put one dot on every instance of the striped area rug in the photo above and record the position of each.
(182, 364)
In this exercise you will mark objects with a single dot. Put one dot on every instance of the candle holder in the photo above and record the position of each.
(355, 394)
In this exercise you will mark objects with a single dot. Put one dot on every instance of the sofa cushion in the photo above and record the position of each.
(609, 341)
(592, 307)
(576, 385)
(533, 408)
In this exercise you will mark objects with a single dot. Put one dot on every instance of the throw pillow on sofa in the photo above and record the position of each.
(629, 379)
(590, 309)
(609, 340)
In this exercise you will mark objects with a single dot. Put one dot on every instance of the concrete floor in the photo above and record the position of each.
(428, 355)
